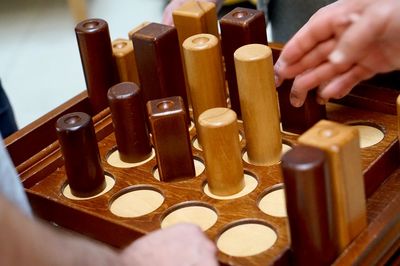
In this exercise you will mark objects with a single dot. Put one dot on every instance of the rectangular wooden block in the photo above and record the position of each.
(298, 120)
(341, 143)
(195, 17)
(159, 62)
(171, 139)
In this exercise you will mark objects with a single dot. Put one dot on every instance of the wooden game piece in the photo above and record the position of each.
(82, 161)
(205, 74)
(239, 27)
(224, 168)
(309, 206)
(96, 55)
(129, 119)
(258, 102)
(398, 116)
(159, 63)
(195, 17)
(125, 60)
(135, 29)
(171, 138)
(298, 120)
(341, 143)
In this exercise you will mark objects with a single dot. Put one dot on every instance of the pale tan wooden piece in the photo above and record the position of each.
(341, 143)
(194, 17)
(124, 58)
(191, 18)
(203, 62)
(258, 102)
(224, 167)
(78, 9)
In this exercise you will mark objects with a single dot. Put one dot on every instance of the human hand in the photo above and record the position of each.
(174, 4)
(182, 244)
(342, 44)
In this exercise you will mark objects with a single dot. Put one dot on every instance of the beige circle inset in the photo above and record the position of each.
(285, 148)
(200, 215)
(250, 183)
(110, 182)
(369, 135)
(196, 143)
(198, 168)
(274, 203)
(247, 239)
(137, 203)
(114, 160)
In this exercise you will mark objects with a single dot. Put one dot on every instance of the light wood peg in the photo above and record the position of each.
(341, 143)
(124, 58)
(258, 102)
(224, 168)
(205, 74)
(195, 17)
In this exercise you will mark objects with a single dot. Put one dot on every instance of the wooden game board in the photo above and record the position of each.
(36, 154)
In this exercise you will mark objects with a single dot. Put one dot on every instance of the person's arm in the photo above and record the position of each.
(174, 4)
(342, 44)
(26, 241)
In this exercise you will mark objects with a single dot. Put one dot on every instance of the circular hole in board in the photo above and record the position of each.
(110, 182)
(273, 201)
(287, 132)
(197, 213)
(285, 148)
(370, 134)
(113, 159)
(250, 183)
(196, 143)
(198, 167)
(246, 238)
(136, 201)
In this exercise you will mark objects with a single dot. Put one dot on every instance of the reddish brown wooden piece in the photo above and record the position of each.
(159, 63)
(309, 206)
(81, 155)
(298, 120)
(128, 114)
(96, 55)
(171, 139)
(239, 27)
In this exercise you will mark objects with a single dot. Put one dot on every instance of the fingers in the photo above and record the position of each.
(312, 59)
(342, 85)
(354, 43)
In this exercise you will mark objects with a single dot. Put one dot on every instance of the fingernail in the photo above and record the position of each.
(296, 102)
(336, 57)
(278, 81)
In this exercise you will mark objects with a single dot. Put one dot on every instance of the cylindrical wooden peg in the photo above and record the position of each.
(309, 206)
(258, 101)
(171, 139)
(125, 61)
(398, 116)
(224, 167)
(128, 115)
(81, 154)
(239, 27)
(96, 55)
(205, 74)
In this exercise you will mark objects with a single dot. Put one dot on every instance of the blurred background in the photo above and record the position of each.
(40, 66)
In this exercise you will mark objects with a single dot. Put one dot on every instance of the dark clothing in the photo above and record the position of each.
(7, 119)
